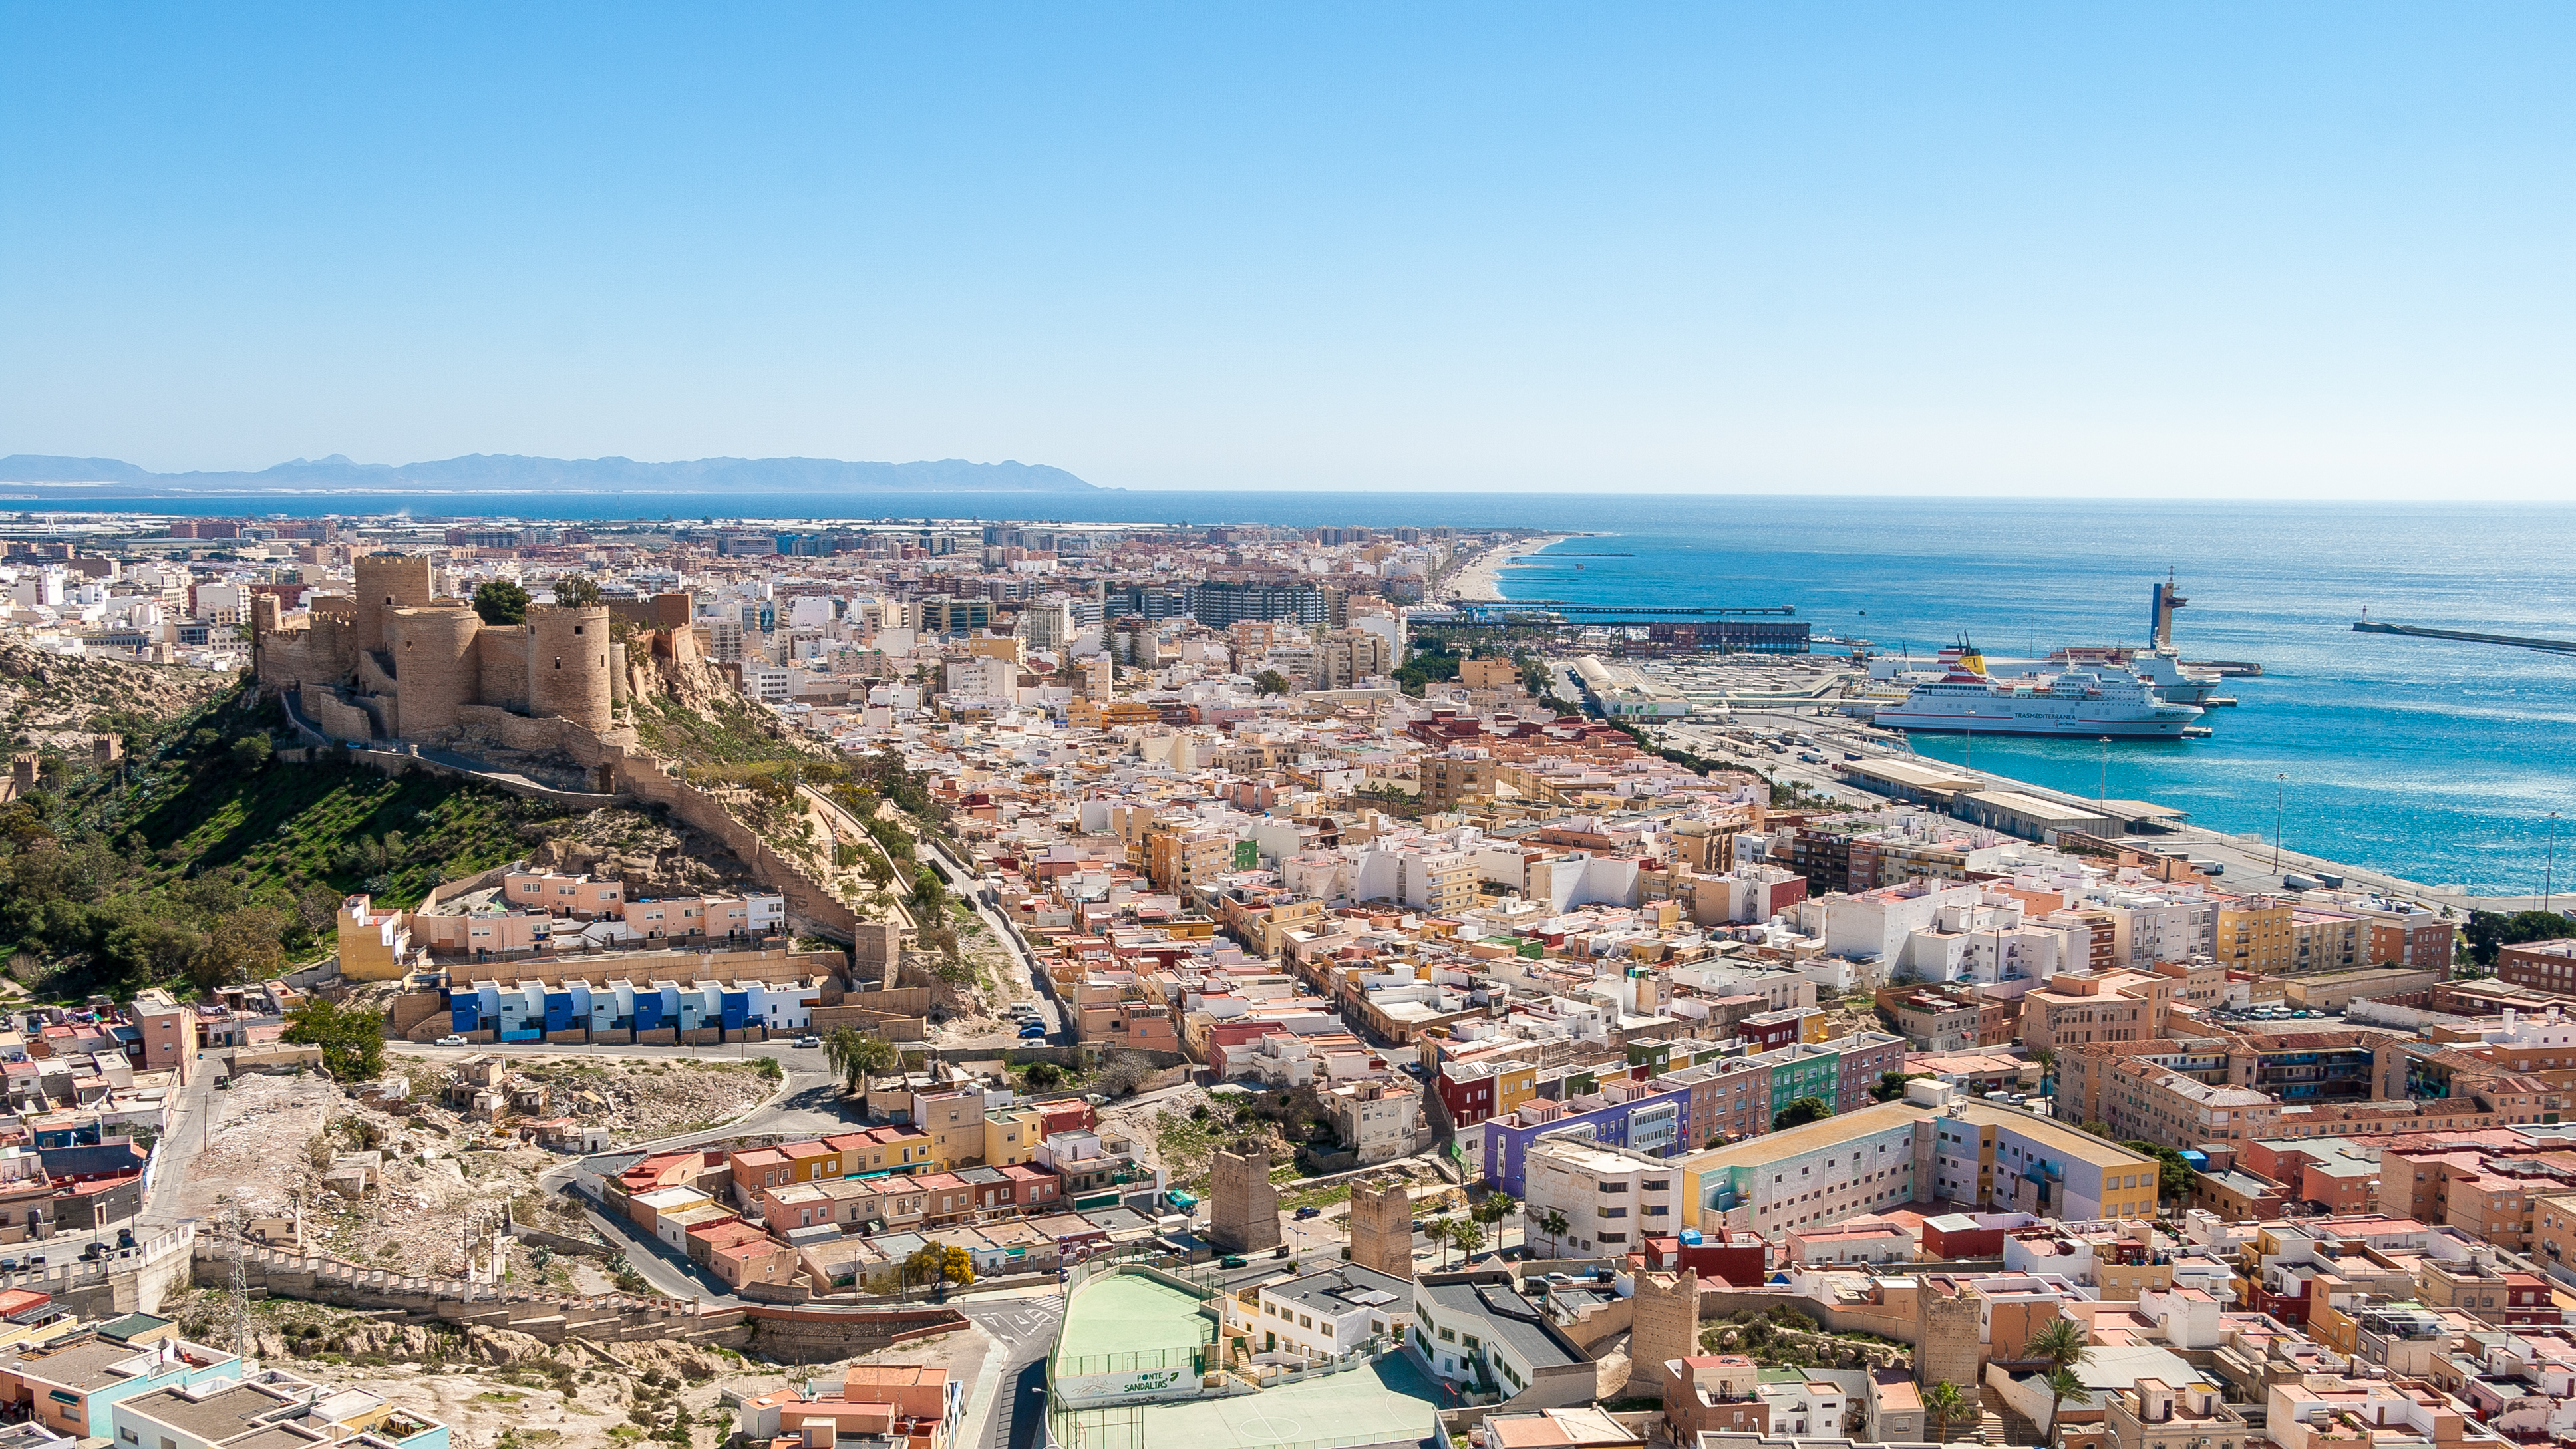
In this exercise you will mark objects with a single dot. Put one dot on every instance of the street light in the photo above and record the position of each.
(2549, 881)
(2280, 793)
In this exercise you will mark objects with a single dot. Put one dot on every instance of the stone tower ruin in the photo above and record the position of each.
(1664, 1324)
(1243, 1208)
(1381, 1226)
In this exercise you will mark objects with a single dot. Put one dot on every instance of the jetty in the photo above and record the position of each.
(2551, 646)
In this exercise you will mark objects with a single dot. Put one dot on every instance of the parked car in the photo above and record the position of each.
(809, 1041)
(1234, 1262)
(452, 1039)
(1304, 1213)
(1032, 1028)
(1280, 1252)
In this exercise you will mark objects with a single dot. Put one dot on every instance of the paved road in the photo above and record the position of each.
(1030, 984)
(1025, 1329)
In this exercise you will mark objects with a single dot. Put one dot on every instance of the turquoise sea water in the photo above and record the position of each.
(2435, 760)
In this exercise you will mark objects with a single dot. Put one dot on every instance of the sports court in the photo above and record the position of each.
(1129, 1320)
(1385, 1402)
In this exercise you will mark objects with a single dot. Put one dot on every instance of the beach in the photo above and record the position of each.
(1481, 579)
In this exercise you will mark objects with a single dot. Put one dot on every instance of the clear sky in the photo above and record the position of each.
(2276, 250)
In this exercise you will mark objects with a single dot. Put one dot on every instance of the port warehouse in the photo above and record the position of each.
(2013, 812)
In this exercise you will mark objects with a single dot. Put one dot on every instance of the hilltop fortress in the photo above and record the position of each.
(394, 662)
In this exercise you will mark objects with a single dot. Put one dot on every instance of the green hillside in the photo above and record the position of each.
(202, 859)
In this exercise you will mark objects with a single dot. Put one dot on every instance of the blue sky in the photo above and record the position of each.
(2286, 251)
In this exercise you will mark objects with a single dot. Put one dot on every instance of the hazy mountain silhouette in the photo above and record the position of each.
(507, 473)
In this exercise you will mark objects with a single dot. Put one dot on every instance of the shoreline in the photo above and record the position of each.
(1481, 581)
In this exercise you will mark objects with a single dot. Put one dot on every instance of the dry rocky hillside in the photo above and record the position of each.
(51, 701)
(501, 1390)
(439, 1176)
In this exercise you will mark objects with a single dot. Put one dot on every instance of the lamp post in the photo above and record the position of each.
(2280, 793)
(2549, 880)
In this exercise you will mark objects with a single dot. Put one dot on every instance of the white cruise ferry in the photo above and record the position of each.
(2090, 702)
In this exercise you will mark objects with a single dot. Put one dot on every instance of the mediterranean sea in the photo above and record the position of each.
(2429, 759)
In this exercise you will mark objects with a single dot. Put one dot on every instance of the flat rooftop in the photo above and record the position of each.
(1385, 1402)
(1129, 1313)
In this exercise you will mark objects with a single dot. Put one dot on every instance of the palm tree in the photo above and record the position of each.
(1945, 1405)
(2063, 1384)
(1551, 1225)
(1464, 1234)
(2063, 1346)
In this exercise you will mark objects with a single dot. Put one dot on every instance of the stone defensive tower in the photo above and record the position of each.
(1243, 1208)
(1945, 1335)
(1663, 1324)
(1381, 1226)
(568, 664)
(388, 581)
(433, 659)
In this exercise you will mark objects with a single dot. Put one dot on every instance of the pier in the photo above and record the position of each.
(2550, 646)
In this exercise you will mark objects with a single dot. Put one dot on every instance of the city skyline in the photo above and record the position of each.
(2298, 253)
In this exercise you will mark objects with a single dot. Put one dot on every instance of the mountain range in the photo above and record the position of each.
(509, 473)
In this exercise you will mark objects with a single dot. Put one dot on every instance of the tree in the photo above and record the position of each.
(2489, 932)
(2175, 1178)
(857, 1056)
(1494, 1208)
(577, 590)
(1043, 1076)
(929, 899)
(1944, 1405)
(2063, 1346)
(939, 1265)
(1801, 1112)
(352, 1041)
(1125, 1073)
(499, 601)
(2063, 1384)
(1464, 1234)
(1891, 1085)
(1551, 1225)
(243, 946)
(1270, 681)
(250, 752)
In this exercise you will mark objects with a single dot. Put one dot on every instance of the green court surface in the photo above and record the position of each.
(1385, 1402)
(1128, 1313)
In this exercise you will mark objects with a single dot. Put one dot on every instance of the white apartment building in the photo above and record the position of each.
(1381, 1121)
(1326, 1315)
(1612, 1200)
(2146, 929)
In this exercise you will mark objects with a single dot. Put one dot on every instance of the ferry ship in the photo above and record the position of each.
(2085, 702)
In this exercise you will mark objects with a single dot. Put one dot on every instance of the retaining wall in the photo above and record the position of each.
(800, 1335)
